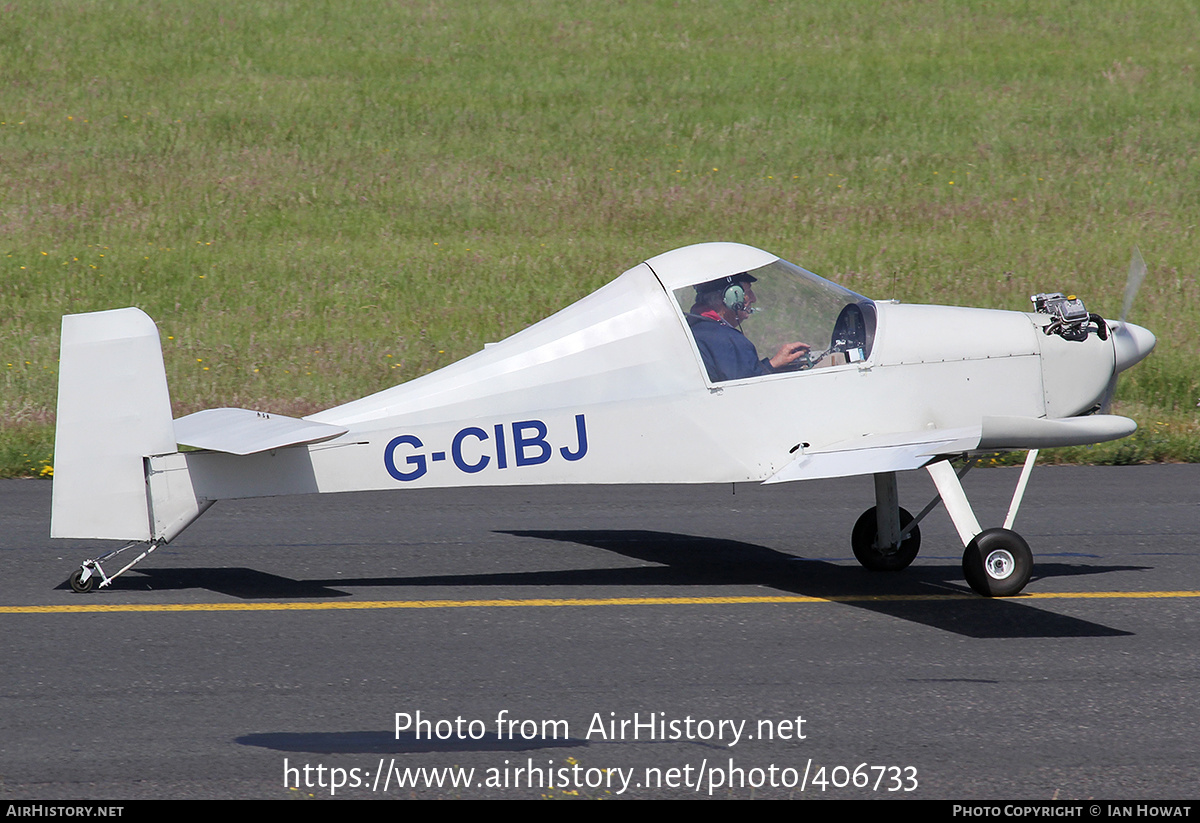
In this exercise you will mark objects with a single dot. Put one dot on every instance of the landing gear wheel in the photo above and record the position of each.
(997, 563)
(891, 559)
(79, 585)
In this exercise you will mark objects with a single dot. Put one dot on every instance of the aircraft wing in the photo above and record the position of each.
(873, 454)
(1043, 433)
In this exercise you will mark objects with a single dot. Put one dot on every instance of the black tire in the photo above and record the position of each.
(79, 585)
(997, 563)
(862, 540)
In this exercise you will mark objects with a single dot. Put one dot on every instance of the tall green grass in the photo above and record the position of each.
(317, 200)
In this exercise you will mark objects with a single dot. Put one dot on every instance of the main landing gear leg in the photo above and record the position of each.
(996, 562)
(886, 537)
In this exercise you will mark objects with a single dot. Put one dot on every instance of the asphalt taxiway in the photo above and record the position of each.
(270, 648)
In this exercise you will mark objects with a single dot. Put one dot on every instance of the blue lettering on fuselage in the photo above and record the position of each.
(473, 449)
(522, 443)
(456, 450)
(417, 461)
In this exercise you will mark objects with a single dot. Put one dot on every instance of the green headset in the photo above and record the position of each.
(732, 288)
(734, 297)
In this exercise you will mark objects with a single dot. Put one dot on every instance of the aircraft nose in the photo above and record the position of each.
(1131, 343)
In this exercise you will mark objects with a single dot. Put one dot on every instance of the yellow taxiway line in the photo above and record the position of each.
(326, 605)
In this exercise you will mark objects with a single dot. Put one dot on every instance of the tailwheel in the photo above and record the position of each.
(997, 563)
(84, 578)
(863, 539)
(82, 585)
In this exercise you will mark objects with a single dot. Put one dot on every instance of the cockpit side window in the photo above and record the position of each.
(774, 319)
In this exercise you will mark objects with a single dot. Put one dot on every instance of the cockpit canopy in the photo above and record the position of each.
(775, 305)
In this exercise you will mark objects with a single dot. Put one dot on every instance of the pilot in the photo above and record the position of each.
(716, 320)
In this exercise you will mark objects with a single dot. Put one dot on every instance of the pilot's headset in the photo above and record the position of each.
(734, 295)
(732, 289)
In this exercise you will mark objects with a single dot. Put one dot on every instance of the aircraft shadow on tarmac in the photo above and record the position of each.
(687, 560)
(243, 583)
(697, 561)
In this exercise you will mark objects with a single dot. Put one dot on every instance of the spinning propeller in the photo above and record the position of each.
(1130, 343)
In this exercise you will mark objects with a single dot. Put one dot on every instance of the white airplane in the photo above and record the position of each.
(655, 378)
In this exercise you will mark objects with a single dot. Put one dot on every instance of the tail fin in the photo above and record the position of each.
(113, 411)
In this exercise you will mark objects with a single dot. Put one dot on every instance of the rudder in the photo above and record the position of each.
(113, 410)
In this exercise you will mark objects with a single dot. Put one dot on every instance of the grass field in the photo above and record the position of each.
(317, 200)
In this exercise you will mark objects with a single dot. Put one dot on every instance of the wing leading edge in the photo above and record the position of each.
(876, 454)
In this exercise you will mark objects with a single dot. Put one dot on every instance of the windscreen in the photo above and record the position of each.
(742, 323)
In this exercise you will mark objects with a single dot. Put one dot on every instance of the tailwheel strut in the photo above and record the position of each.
(83, 579)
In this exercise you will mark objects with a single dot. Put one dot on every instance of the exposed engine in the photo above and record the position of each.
(1070, 319)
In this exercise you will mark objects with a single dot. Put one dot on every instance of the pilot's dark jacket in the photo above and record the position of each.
(726, 352)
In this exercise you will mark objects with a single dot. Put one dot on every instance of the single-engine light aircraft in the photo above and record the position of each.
(713, 363)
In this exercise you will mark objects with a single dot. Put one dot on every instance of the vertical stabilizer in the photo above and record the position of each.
(113, 410)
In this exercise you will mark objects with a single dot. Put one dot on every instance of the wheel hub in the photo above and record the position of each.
(999, 564)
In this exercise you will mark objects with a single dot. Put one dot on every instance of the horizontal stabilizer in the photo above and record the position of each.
(1040, 433)
(242, 431)
(875, 454)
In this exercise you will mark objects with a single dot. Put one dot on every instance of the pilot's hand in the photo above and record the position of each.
(788, 354)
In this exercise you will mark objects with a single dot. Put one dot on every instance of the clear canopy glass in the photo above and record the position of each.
(775, 307)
